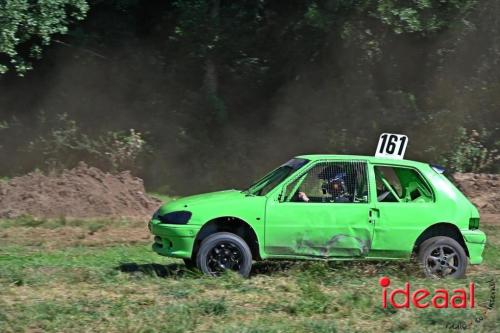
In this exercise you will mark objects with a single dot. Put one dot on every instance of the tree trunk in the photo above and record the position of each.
(211, 77)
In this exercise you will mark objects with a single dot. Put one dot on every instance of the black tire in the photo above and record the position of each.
(224, 251)
(442, 257)
(190, 263)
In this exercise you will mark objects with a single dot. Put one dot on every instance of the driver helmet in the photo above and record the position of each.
(335, 186)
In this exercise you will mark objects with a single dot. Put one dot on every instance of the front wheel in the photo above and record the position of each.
(442, 257)
(224, 251)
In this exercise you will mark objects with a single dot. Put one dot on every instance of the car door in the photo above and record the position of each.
(322, 212)
(405, 207)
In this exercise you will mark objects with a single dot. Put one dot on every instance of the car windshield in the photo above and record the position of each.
(275, 177)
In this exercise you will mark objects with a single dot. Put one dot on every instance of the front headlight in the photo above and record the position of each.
(179, 217)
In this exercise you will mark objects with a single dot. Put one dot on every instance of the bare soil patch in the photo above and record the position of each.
(490, 218)
(482, 189)
(82, 192)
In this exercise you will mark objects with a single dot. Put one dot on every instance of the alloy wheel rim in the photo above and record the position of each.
(224, 256)
(442, 261)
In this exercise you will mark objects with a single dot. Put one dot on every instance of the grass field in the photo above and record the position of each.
(85, 276)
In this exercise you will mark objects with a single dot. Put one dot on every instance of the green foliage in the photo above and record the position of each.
(122, 149)
(212, 81)
(27, 26)
(419, 16)
(193, 18)
(470, 154)
(422, 16)
(114, 150)
(317, 18)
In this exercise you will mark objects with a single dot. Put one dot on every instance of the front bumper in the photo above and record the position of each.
(173, 240)
(475, 240)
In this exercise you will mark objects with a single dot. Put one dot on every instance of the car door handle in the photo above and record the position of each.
(374, 212)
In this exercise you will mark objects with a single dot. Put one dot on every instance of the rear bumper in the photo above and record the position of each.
(173, 240)
(475, 240)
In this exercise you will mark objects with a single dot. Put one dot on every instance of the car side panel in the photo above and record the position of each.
(400, 224)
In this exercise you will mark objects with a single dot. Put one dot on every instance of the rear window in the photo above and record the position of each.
(399, 184)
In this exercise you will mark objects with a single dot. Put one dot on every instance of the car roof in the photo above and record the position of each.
(371, 159)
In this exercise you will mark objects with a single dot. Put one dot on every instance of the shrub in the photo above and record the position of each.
(123, 148)
(470, 154)
(66, 144)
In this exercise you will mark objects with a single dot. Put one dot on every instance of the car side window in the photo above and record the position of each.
(291, 189)
(399, 184)
(390, 176)
(330, 182)
(384, 190)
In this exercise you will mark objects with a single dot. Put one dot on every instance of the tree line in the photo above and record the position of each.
(198, 95)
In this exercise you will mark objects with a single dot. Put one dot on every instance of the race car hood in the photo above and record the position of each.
(196, 201)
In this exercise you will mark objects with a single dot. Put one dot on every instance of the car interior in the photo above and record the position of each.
(334, 182)
(399, 184)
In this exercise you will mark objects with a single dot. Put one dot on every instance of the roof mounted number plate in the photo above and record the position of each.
(391, 146)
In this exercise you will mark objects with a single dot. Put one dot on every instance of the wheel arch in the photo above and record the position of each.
(446, 229)
(233, 225)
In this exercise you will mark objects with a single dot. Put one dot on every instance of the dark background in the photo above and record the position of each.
(222, 91)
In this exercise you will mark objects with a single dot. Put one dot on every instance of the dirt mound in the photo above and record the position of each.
(482, 189)
(87, 192)
(82, 192)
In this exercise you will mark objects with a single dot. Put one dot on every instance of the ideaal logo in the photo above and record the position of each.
(440, 298)
(459, 298)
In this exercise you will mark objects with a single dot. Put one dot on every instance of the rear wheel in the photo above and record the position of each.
(442, 257)
(224, 251)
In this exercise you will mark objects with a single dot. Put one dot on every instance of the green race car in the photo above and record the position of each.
(338, 207)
